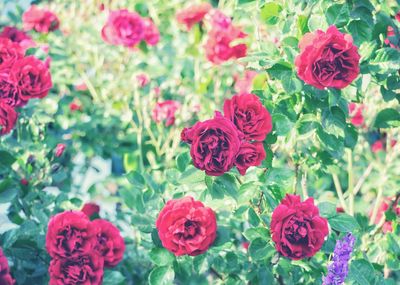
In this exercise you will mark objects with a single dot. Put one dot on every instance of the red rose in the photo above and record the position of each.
(186, 226)
(214, 143)
(249, 115)
(86, 270)
(250, 154)
(75, 106)
(40, 20)
(70, 234)
(15, 35)
(9, 52)
(124, 28)
(356, 114)
(377, 146)
(297, 228)
(165, 111)
(8, 118)
(59, 150)
(5, 276)
(110, 244)
(31, 78)
(151, 33)
(386, 203)
(90, 209)
(327, 59)
(193, 14)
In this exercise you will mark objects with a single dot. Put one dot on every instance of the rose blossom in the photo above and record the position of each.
(110, 244)
(40, 20)
(8, 118)
(90, 209)
(250, 154)
(5, 276)
(17, 36)
(83, 269)
(70, 234)
(151, 33)
(219, 20)
(165, 111)
(31, 78)
(297, 228)
(327, 59)
(124, 28)
(59, 150)
(215, 144)
(193, 14)
(356, 114)
(249, 115)
(142, 79)
(186, 226)
(9, 52)
(75, 106)
(387, 226)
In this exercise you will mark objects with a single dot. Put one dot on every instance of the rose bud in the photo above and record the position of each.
(82, 269)
(8, 118)
(70, 234)
(250, 154)
(249, 115)
(24, 181)
(186, 226)
(40, 20)
(151, 33)
(5, 276)
(109, 244)
(193, 14)
(214, 143)
(328, 59)
(90, 209)
(297, 228)
(59, 150)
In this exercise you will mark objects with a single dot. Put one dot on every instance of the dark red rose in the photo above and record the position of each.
(356, 114)
(59, 150)
(70, 234)
(31, 78)
(5, 276)
(186, 226)
(124, 28)
(327, 59)
(193, 14)
(165, 111)
(40, 20)
(90, 209)
(249, 115)
(250, 154)
(24, 181)
(85, 270)
(339, 210)
(297, 228)
(214, 143)
(110, 244)
(8, 118)
(9, 52)
(151, 33)
(8, 92)
(17, 36)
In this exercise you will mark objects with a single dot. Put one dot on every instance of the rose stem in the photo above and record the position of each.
(351, 182)
(339, 191)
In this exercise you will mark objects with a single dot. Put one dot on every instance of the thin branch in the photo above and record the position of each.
(339, 191)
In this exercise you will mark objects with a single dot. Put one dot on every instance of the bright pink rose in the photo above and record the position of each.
(214, 143)
(17, 36)
(244, 84)
(8, 118)
(9, 52)
(110, 244)
(90, 209)
(250, 154)
(5, 276)
(377, 146)
(386, 203)
(40, 20)
(219, 20)
(70, 234)
(165, 111)
(356, 114)
(193, 14)
(249, 115)
(186, 226)
(124, 28)
(297, 228)
(31, 78)
(151, 33)
(142, 79)
(84, 269)
(59, 150)
(327, 59)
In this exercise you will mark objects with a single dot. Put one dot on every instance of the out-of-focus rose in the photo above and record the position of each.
(151, 33)
(75, 106)
(8, 118)
(17, 36)
(142, 79)
(59, 150)
(186, 226)
(90, 209)
(250, 154)
(244, 84)
(356, 114)
(40, 20)
(165, 111)
(5, 276)
(193, 14)
(386, 203)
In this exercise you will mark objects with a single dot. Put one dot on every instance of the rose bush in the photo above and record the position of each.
(199, 142)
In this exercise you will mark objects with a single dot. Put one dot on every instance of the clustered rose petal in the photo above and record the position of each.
(327, 59)
(129, 29)
(297, 228)
(8, 118)
(14, 34)
(186, 226)
(165, 111)
(193, 14)
(250, 154)
(5, 276)
(40, 20)
(356, 114)
(81, 248)
(90, 209)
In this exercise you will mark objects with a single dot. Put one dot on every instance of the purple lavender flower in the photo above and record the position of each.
(339, 268)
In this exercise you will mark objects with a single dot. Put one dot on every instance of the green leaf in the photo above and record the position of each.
(343, 223)
(360, 31)
(136, 179)
(113, 278)
(351, 136)
(338, 15)
(362, 272)
(281, 70)
(292, 84)
(254, 220)
(7, 191)
(161, 275)
(226, 184)
(6, 159)
(386, 60)
(192, 175)
(270, 13)
(260, 249)
(253, 233)
(327, 209)
(387, 118)
(161, 256)
(282, 124)
(302, 24)
(182, 161)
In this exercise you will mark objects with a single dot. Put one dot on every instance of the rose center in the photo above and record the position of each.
(70, 239)
(296, 232)
(191, 229)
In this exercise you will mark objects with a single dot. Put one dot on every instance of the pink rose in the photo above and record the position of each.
(59, 150)
(17, 36)
(356, 114)
(151, 33)
(5, 276)
(40, 20)
(193, 14)
(165, 111)
(250, 154)
(142, 79)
